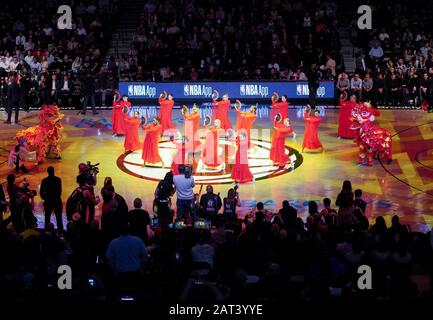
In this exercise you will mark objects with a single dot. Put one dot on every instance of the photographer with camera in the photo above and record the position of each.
(185, 203)
(25, 205)
(83, 199)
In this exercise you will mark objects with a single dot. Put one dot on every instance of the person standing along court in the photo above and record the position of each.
(166, 104)
(51, 193)
(313, 83)
(150, 144)
(13, 97)
(185, 203)
(89, 93)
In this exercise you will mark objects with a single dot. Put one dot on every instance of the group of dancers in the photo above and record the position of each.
(218, 126)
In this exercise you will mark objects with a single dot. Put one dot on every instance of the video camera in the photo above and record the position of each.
(90, 170)
(24, 190)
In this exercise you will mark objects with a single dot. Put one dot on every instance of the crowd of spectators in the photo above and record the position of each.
(52, 65)
(264, 255)
(254, 40)
(394, 60)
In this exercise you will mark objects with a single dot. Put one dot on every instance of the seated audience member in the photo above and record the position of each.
(202, 252)
(288, 214)
(126, 256)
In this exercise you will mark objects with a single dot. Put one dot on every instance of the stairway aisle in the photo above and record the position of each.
(126, 28)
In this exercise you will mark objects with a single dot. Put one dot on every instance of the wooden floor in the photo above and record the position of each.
(404, 188)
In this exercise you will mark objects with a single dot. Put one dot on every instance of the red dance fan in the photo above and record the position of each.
(215, 95)
(184, 110)
(343, 96)
(275, 97)
(125, 109)
(143, 120)
(163, 95)
(277, 118)
(238, 105)
(207, 121)
(230, 134)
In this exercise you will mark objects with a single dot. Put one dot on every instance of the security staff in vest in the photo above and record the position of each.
(211, 204)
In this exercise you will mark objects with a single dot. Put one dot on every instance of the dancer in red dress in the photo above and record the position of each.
(245, 120)
(191, 127)
(166, 104)
(117, 121)
(311, 141)
(132, 142)
(150, 144)
(344, 118)
(220, 110)
(211, 157)
(281, 108)
(241, 171)
(180, 155)
(278, 149)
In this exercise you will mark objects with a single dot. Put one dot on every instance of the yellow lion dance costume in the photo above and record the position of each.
(44, 138)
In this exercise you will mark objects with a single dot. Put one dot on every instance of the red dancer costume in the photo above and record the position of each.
(180, 156)
(191, 127)
(150, 144)
(241, 171)
(278, 149)
(211, 157)
(220, 110)
(132, 142)
(311, 141)
(369, 138)
(245, 120)
(344, 118)
(281, 108)
(117, 119)
(166, 104)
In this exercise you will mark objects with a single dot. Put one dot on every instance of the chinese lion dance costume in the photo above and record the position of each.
(45, 137)
(371, 140)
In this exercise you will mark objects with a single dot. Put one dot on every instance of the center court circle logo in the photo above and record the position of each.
(258, 159)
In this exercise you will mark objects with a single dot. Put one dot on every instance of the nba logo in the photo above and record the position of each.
(185, 90)
(242, 90)
(130, 90)
(299, 90)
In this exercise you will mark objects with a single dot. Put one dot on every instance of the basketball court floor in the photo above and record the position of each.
(403, 188)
